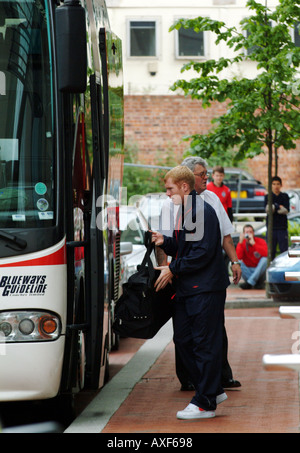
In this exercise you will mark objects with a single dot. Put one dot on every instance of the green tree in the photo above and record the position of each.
(140, 180)
(262, 113)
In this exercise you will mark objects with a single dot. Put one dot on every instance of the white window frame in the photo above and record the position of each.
(157, 21)
(190, 57)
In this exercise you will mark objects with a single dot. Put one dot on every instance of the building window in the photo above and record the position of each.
(143, 35)
(251, 49)
(189, 43)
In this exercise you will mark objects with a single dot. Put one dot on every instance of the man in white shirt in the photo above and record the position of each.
(199, 168)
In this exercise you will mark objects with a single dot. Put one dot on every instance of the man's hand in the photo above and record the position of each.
(282, 210)
(157, 238)
(164, 278)
(249, 238)
(236, 273)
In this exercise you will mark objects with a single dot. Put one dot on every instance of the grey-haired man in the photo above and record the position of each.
(199, 167)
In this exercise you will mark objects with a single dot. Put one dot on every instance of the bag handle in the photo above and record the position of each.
(147, 260)
(148, 239)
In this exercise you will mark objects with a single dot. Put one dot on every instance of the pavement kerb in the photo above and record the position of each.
(257, 303)
(97, 414)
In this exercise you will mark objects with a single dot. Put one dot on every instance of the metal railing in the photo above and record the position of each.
(237, 171)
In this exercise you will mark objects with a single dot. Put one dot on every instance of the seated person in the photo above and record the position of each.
(253, 252)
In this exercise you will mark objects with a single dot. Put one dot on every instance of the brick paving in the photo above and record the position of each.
(267, 402)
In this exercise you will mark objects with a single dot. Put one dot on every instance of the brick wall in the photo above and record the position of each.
(288, 168)
(156, 124)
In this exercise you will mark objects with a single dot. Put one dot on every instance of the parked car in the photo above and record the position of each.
(279, 288)
(247, 193)
(133, 226)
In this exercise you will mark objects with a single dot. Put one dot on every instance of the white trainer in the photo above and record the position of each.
(220, 398)
(193, 411)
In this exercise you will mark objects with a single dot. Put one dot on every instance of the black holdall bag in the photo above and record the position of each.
(141, 311)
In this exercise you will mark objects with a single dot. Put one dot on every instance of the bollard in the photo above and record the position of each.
(289, 312)
(281, 362)
(292, 276)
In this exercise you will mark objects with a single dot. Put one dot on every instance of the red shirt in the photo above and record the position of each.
(223, 193)
(251, 254)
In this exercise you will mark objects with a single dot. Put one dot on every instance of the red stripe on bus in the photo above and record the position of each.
(55, 258)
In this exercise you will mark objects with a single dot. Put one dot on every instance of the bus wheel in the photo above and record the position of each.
(63, 409)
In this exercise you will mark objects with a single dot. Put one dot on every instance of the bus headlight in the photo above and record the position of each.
(5, 328)
(26, 326)
(20, 326)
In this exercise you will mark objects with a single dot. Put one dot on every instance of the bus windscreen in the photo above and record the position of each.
(27, 160)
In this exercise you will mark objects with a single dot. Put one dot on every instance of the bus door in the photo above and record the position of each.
(97, 339)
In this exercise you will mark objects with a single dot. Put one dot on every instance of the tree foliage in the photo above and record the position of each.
(262, 113)
(140, 180)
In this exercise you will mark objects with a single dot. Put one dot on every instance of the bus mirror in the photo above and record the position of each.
(71, 47)
(125, 248)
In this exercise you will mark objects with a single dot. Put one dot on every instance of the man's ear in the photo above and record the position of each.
(185, 187)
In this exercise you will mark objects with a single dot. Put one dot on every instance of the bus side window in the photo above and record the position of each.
(12, 172)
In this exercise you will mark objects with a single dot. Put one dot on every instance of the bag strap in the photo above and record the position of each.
(148, 239)
(147, 262)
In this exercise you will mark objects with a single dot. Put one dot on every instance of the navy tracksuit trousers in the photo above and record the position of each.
(198, 332)
(280, 237)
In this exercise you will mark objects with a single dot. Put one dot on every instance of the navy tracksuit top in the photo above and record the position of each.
(279, 220)
(198, 264)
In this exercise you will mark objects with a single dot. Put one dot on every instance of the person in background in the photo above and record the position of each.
(280, 208)
(223, 192)
(253, 253)
(199, 168)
